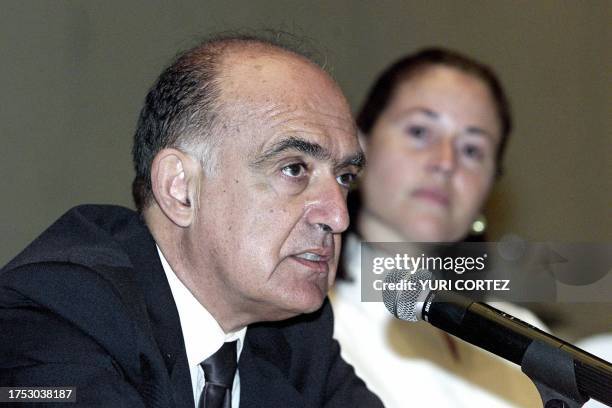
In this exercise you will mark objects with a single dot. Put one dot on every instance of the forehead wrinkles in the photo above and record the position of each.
(272, 119)
(306, 119)
(264, 100)
(325, 129)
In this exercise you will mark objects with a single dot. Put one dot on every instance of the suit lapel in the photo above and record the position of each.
(163, 318)
(265, 365)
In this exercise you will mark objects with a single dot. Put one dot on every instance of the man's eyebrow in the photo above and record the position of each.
(358, 160)
(311, 149)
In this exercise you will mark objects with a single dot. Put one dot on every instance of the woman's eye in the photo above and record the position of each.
(417, 131)
(294, 170)
(346, 179)
(473, 152)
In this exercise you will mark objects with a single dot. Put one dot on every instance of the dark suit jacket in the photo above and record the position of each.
(87, 304)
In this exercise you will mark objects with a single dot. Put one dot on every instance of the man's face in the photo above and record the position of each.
(431, 156)
(270, 217)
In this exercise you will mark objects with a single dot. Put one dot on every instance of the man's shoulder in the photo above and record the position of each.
(78, 269)
(85, 235)
(77, 279)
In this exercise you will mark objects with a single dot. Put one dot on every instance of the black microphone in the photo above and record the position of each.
(556, 366)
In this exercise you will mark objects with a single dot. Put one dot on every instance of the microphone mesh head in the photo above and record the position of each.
(402, 301)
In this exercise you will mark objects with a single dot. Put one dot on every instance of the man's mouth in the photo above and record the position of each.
(316, 261)
(309, 256)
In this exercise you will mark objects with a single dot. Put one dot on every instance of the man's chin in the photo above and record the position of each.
(314, 308)
(305, 303)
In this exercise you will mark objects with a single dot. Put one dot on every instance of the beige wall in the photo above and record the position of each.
(74, 75)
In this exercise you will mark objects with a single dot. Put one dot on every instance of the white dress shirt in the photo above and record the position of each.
(410, 364)
(202, 334)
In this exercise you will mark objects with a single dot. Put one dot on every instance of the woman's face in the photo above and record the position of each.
(431, 157)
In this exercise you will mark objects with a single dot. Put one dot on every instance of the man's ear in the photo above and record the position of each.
(175, 179)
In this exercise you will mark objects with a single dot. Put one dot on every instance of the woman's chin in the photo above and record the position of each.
(428, 231)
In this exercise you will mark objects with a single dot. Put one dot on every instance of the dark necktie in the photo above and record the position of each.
(219, 370)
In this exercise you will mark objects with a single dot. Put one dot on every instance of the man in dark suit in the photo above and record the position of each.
(244, 152)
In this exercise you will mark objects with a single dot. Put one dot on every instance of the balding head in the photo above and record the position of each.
(257, 69)
(185, 107)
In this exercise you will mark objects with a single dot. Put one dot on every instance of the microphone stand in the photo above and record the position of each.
(552, 372)
(565, 376)
(556, 375)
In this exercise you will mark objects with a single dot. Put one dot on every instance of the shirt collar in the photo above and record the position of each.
(202, 334)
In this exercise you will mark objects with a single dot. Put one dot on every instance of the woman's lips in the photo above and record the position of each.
(433, 195)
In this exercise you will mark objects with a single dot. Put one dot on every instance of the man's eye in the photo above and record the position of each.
(294, 170)
(346, 179)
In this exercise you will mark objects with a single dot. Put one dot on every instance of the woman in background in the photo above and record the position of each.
(434, 128)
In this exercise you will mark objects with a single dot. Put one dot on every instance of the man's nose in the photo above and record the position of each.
(443, 156)
(327, 208)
